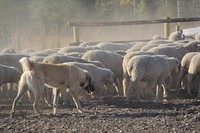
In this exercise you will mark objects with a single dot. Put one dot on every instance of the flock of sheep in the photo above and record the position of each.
(132, 69)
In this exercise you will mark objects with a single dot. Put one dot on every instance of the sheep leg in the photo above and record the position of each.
(182, 74)
(120, 89)
(199, 92)
(142, 90)
(100, 94)
(137, 92)
(132, 87)
(116, 88)
(56, 93)
(21, 91)
(117, 85)
(4, 89)
(150, 90)
(10, 87)
(169, 86)
(125, 82)
(164, 91)
(129, 91)
(158, 86)
(189, 83)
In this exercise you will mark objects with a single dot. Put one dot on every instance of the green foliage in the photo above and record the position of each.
(141, 9)
(53, 11)
(14, 11)
(34, 12)
(105, 9)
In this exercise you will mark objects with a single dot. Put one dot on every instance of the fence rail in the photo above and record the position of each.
(166, 20)
(166, 27)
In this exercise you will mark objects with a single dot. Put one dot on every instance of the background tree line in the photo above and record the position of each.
(34, 12)
(42, 24)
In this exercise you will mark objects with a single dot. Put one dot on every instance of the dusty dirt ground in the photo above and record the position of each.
(179, 114)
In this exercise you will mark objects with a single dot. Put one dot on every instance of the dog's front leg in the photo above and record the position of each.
(77, 102)
(56, 93)
(48, 96)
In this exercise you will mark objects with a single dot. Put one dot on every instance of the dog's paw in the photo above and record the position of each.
(165, 100)
(38, 113)
(54, 111)
(80, 111)
(11, 115)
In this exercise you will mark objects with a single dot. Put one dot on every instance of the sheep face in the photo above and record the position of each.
(193, 46)
(180, 36)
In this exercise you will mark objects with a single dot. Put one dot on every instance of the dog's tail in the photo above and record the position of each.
(26, 64)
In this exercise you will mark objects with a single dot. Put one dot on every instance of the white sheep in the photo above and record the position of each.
(136, 47)
(157, 37)
(8, 50)
(74, 54)
(175, 36)
(177, 51)
(112, 46)
(9, 74)
(99, 75)
(26, 51)
(185, 62)
(86, 44)
(112, 61)
(194, 70)
(10, 59)
(55, 59)
(155, 43)
(45, 52)
(150, 69)
(70, 49)
(37, 58)
(197, 37)
(126, 58)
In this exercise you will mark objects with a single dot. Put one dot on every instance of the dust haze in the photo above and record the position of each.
(44, 24)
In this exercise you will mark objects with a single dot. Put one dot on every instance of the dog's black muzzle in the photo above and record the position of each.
(90, 88)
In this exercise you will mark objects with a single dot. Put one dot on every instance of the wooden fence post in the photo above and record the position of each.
(76, 35)
(177, 27)
(166, 28)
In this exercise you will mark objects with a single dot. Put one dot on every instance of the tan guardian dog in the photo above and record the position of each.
(61, 76)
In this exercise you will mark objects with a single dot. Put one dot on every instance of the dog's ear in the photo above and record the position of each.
(89, 78)
(82, 84)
